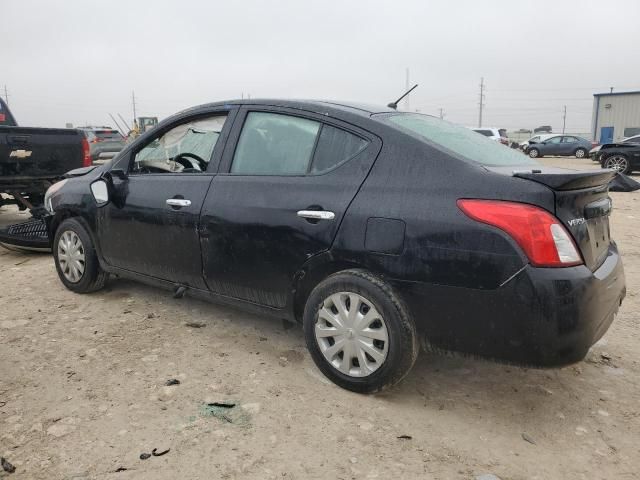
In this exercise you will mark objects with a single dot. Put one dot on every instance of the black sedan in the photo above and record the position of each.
(622, 157)
(379, 231)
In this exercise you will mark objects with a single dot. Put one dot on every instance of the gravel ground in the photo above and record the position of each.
(82, 393)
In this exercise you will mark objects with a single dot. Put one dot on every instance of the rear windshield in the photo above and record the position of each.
(459, 141)
(108, 134)
(486, 133)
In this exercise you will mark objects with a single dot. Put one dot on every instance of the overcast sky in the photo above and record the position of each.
(78, 60)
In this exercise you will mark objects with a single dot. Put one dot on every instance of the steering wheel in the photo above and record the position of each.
(184, 160)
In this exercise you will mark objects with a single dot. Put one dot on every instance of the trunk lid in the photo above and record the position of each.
(582, 204)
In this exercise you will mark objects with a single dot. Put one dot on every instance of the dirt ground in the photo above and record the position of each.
(82, 393)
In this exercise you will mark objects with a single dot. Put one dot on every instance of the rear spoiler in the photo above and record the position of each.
(568, 181)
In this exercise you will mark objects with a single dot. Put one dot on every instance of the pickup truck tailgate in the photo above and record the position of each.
(39, 152)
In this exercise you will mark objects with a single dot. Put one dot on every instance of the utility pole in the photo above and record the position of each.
(6, 95)
(441, 113)
(133, 101)
(564, 118)
(481, 101)
(610, 89)
(406, 102)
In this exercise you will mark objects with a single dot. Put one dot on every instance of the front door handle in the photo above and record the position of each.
(178, 202)
(316, 214)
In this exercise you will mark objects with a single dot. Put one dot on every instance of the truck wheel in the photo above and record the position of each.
(359, 332)
(76, 259)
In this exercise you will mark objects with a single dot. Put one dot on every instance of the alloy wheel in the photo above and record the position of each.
(533, 153)
(580, 153)
(71, 257)
(352, 334)
(617, 163)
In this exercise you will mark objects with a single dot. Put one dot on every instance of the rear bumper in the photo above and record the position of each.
(542, 317)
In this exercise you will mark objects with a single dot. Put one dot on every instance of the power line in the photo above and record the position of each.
(481, 101)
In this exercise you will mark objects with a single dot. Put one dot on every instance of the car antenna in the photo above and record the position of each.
(394, 105)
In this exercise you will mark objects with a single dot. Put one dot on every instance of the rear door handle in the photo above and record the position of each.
(178, 202)
(316, 214)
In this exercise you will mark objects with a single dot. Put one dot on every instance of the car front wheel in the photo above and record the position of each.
(76, 259)
(533, 153)
(359, 332)
(617, 162)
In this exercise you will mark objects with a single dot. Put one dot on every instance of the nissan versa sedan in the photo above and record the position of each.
(379, 231)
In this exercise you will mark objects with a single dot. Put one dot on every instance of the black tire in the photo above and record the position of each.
(93, 278)
(534, 153)
(403, 339)
(580, 153)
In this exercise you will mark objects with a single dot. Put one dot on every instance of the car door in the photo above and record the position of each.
(551, 146)
(288, 179)
(151, 227)
(568, 144)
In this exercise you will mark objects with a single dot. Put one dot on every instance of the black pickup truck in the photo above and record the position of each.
(31, 159)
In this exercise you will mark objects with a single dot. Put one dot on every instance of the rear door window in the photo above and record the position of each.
(275, 144)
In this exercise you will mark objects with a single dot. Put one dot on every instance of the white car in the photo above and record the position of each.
(537, 139)
(497, 134)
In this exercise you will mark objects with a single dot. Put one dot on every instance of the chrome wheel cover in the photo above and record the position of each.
(580, 153)
(533, 153)
(617, 163)
(71, 259)
(352, 334)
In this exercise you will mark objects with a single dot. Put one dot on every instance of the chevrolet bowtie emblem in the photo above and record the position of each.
(20, 153)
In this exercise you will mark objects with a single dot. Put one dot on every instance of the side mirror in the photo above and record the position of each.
(100, 191)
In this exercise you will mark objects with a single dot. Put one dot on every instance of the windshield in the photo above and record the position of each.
(460, 141)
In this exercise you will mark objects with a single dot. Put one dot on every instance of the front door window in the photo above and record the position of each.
(186, 148)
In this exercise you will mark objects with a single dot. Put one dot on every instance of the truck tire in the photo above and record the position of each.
(359, 332)
(76, 259)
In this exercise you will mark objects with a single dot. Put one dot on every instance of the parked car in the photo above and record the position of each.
(104, 142)
(31, 159)
(535, 139)
(622, 157)
(595, 151)
(559, 145)
(543, 129)
(497, 134)
(378, 230)
(523, 130)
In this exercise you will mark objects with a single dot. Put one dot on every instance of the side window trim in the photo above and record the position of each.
(231, 143)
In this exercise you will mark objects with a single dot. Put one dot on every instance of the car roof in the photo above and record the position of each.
(356, 108)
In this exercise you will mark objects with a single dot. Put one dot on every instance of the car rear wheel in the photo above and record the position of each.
(359, 332)
(76, 259)
(534, 153)
(617, 162)
(581, 153)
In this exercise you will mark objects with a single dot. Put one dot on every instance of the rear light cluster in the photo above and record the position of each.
(541, 236)
(86, 153)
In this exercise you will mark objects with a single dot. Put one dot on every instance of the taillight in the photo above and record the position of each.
(543, 238)
(86, 153)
